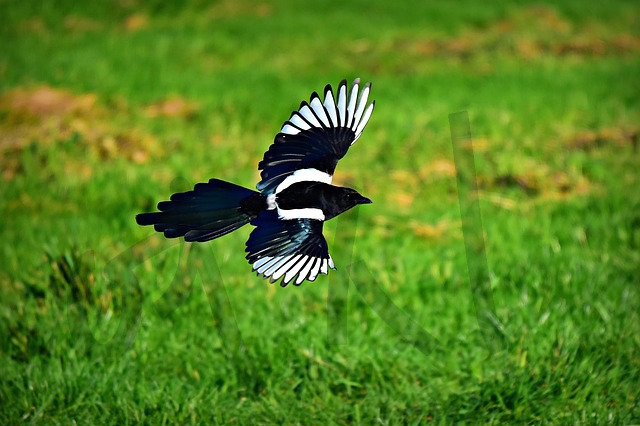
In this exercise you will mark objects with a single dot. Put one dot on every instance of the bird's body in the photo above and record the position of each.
(294, 197)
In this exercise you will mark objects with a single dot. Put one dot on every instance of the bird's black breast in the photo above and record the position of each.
(316, 195)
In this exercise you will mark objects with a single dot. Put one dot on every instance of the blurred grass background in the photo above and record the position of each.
(108, 107)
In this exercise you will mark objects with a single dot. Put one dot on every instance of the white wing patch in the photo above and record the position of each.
(308, 213)
(303, 266)
(303, 175)
(271, 202)
(349, 110)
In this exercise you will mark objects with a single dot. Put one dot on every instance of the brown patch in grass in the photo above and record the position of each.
(226, 9)
(34, 25)
(172, 107)
(626, 43)
(433, 231)
(402, 199)
(404, 178)
(47, 115)
(136, 22)
(591, 139)
(583, 45)
(438, 168)
(499, 200)
(42, 102)
(528, 49)
(564, 187)
(528, 33)
(136, 146)
(527, 183)
(81, 24)
(541, 183)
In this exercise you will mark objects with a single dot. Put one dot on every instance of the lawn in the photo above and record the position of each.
(512, 300)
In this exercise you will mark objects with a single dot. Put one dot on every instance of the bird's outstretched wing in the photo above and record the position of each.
(316, 136)
(288, 248)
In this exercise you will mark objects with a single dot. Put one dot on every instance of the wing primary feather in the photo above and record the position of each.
(289, 129)
(299, 121)
(274, 266)
(364, 120)
(307, 113)
(330, 106)
(323, 268)
(319, 110)
(361, 104)
(342, 103)
(269, 264)
(258, 263)
(284, 268)
(314, 270)
(353, 97)
(305, 271)
(291, 273)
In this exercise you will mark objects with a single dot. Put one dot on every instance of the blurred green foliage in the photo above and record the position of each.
(107, 108)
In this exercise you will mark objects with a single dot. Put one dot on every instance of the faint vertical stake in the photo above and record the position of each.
(473, 230)
(338, 294)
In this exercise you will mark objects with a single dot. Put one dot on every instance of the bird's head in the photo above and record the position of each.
(341, 200)
(354, 198)
(351, 198)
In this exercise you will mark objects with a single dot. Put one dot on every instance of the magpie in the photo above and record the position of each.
(295, 195)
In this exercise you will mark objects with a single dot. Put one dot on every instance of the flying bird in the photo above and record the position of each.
(295, 195)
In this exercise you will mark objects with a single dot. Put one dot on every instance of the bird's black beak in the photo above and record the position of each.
(364, 200)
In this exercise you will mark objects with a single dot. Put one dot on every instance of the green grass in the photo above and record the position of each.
(102, 322)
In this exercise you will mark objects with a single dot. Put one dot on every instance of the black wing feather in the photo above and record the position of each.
(283, 248)
(317, 135)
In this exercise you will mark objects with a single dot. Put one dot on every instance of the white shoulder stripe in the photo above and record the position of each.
(304, 175)
(309, 213)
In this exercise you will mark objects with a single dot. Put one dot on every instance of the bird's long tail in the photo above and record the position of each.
(209, 211)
